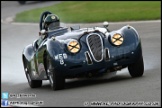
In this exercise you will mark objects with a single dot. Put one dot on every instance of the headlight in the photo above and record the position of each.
(73, 46)
(117, 39)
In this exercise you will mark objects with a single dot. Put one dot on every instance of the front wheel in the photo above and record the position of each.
(33, 83)
(56, 80)
(137, 69)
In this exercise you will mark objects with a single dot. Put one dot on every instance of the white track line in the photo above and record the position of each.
(9, 20)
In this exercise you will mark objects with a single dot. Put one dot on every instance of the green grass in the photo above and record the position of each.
(96, 11)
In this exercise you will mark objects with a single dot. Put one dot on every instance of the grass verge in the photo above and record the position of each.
(97, 11)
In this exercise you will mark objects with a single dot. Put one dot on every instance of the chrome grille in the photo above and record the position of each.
(95, 45)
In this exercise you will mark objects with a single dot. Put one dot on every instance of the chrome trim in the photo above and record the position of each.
(89, 57)
(90, 48)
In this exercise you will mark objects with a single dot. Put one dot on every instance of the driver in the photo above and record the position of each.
(51, 22)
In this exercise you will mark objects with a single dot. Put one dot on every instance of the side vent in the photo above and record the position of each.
(107, 54)
(88, 58)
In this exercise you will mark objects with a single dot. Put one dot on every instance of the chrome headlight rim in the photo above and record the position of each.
(117, 39)
(73, 46)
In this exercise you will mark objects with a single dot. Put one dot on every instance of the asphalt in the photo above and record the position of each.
(80, 92)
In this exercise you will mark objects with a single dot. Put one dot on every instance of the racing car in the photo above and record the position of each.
(73, 52)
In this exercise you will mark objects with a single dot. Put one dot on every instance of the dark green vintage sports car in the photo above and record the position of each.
(74, 52)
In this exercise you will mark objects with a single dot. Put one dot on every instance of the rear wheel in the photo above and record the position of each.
(56, 80)
(137, 69)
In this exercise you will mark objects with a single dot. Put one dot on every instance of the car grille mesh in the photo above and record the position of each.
(95, 45)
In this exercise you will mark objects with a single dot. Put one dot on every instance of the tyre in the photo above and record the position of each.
(137, 69)
(56, 80)
(33, 83)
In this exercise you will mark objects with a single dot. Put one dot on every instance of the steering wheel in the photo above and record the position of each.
(43, 16)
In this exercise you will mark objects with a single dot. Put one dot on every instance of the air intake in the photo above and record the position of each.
(107, 54)
(95, 45)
